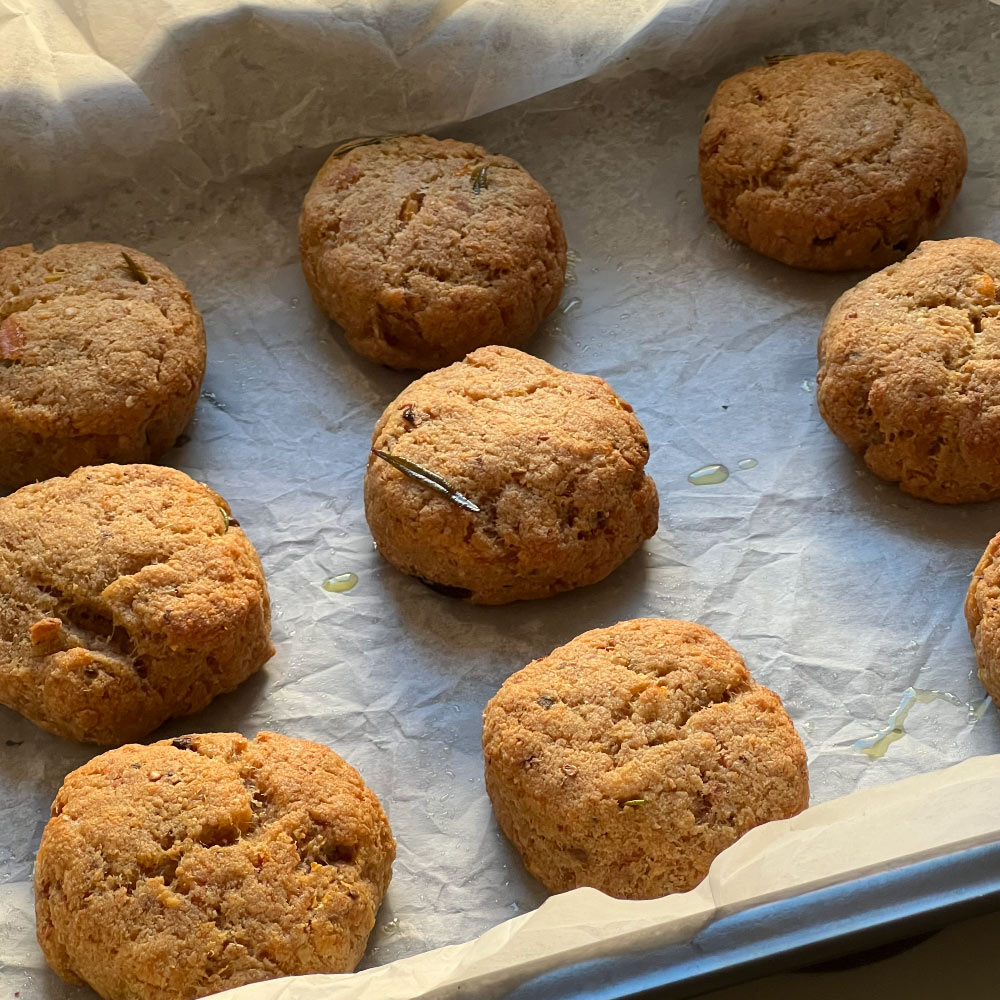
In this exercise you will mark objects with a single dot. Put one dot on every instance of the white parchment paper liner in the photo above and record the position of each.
(192, 129)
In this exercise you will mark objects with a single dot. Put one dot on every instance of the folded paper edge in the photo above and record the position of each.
(830, 851)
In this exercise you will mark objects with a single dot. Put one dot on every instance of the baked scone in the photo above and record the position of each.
(909, 371)
(829, 161)
(982, 612)
(548, 467)
(101, 359)
(424, 249)
(128, 595)
(195, 865)
(629, 758)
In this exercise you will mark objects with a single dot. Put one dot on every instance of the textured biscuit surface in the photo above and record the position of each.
(420, 257)
(982, 612)
(126, 597)
(95, 364)
(910, 371)
(629, 758)
(554, 460)
(198, 864)
(830, 161)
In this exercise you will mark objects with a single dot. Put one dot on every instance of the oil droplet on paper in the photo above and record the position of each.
(978, 709)
(571, 305)
(340, 584)
(709, 475)
(747, 463)
(876, 746)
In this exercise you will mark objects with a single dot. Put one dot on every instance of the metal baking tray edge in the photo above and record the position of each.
(858, 915)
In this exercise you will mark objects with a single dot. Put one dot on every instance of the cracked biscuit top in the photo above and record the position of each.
(127, 596)
(629, 758)
(425, 249)
(202, 863)
(553, 461)
(909, 371)
(829, 161)
(101, 359)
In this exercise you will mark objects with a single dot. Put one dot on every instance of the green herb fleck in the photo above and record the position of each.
(365, 140)
(228, 520)
(774, 60)
(135, 269)
(479, 180)
(635, 802)
(431, 479)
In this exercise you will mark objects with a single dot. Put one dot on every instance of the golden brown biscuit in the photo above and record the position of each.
(127, 596)
(552, 461)
(101, 359)
(424, 249)
(910, 371)
(829, 161)
(198, 864)
(982, 612)
(629, 758)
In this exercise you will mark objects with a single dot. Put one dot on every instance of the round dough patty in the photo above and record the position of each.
(202, 863)
(100, 360)
(553, 460)
(421, 256)
(629, 758)
(982, 612)
(830, 161)
(910, 371)
(127, 596)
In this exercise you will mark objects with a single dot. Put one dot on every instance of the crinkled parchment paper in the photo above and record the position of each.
(192, 129)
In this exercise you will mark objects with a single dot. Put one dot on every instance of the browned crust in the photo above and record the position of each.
(125, 599)
(830, 161)
(982, 613)
(99, 366)
(206, 862)
(909, 371)
(417, 266)
(630, 757)
(554, 460)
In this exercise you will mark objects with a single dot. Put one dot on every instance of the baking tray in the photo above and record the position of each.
(857, 916)
(815, 571)
(818, 926)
